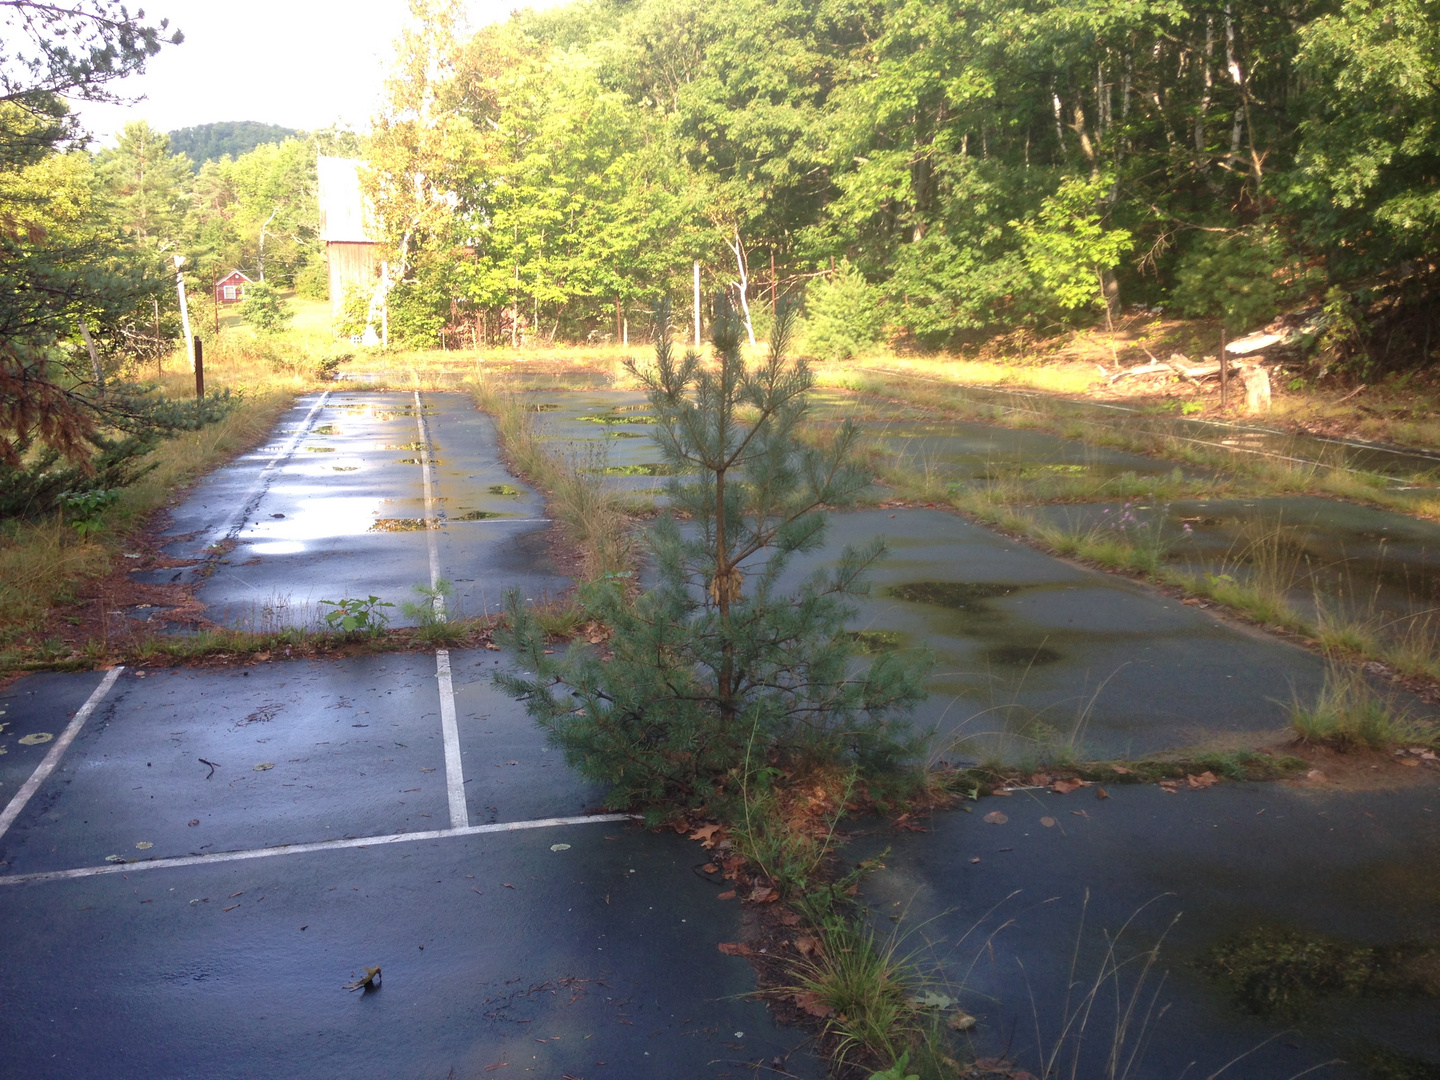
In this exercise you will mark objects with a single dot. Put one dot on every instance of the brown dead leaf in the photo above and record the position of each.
(996, 817)
(1172, 786)
(728, 894)
(1121, 770)
(1315, 776)
(1048, 822)
(1101, 793)
(790, 918)
(1065, 787)
(764, 894)
(1040, 779)
(735, 948)
(812, 1004)
(706, 835)
(492, 646)
(962, 1021)
(1203, 781)
(806, 945)
(1414, 763)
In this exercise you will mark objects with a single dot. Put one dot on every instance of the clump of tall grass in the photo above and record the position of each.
(1348, 713)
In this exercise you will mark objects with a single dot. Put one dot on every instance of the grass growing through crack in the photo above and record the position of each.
(1349, 714)
(591, 512)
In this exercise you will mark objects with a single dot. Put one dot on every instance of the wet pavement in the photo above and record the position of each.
(170, 919)
(218, 851)
(339, 507)
(1035, 655)
(1294, 927)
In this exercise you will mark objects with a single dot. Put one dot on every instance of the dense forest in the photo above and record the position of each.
(228, 138)
(947, 169)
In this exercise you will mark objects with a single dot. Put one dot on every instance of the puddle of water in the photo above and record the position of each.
(405, 524)
(1021, 656)
(480, 515)
(504, 489)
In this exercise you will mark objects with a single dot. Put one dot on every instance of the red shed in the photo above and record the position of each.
(231, 289)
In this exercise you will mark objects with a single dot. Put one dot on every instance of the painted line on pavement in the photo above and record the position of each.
(429, 502)
(52, 759)
(454, 773)
(307, 849)
(237, 519)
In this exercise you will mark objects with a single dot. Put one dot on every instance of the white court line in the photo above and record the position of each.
(429, 501)
(306, 849)
(52, 759)
(454, 774)
(237, 519)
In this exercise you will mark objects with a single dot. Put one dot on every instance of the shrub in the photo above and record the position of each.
(263, 309)
(843, 314)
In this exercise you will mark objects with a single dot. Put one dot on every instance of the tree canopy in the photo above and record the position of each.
(983, 164)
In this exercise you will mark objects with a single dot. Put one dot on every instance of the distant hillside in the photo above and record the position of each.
(210, 142)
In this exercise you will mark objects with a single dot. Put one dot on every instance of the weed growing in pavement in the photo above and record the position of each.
(437, 623)
(357, 617)
(1348, 713)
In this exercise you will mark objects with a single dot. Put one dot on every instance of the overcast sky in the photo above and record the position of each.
(299, 63)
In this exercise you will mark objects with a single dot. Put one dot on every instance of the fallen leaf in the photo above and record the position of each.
(790, 918)
(371, 981)
(232, 907)
(1412, 762)
(806, 945)
(1079, 813)
(735, 948)
(962, 1021)
(492, 646)
(1203, 781)
(975, 859)
(1171, 786)
(36, 739)
(506, 885)
(1048, 822)
(1101, 793)
(1121, 770)
(1065, 787)
(996, 817)
(1317, 777)
(711, 868)
(706, 835)
(728, 894)
(812, 1004)
(264, 766)
(559, 847)
(144, 845)
(931, 1000)
(194, 821)
(764, 894)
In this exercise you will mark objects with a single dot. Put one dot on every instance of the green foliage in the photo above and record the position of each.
(433, 615)
(264, 310)
(1070, 244)
(843, 314)
(899, 1071)
(715, 670)
(354, 308)
(227, 138)
(313, 280)
(354, 616)
(1243, 277)
(85, 509)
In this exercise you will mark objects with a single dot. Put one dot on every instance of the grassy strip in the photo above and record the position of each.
(46, 565)
(592, 514)
(1240, 474)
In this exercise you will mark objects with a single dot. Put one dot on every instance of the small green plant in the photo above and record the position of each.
(434, 618)
(899, 1071)
(355, 616)
(86, 509)
(1190, 408)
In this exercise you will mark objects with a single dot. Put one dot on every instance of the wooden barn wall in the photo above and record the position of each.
(350, 264)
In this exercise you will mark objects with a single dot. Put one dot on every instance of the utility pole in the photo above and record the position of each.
(697, 303)
(184, 311)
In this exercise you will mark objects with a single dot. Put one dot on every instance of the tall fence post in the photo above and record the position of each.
(199, 368)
